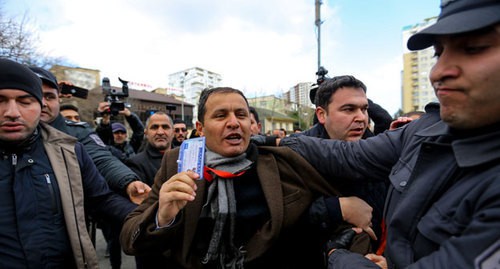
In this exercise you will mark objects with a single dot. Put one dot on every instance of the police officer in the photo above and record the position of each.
(119, 177)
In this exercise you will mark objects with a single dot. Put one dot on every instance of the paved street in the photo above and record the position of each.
(128, 262)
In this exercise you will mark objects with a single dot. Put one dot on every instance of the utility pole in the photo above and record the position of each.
(183, 91)
(318, 23)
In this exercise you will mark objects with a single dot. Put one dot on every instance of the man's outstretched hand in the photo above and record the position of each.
(137, 191)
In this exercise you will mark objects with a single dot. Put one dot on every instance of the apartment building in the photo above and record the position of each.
(416, 89)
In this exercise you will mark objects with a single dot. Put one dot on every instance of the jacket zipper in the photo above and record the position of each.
(14, 159)
(51, 191)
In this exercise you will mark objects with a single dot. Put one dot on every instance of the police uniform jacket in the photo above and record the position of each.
(443, 206)
(117, 175)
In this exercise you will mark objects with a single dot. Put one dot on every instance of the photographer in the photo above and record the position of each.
(115, 134)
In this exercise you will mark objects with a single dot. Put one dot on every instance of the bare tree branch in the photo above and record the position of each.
(19, 43)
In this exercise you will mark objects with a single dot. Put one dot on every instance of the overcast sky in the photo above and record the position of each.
(259, 46)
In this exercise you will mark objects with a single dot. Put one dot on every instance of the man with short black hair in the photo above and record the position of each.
(443, 205)
(70, 112)
(256, 126)
(342, 112)
(180, 132)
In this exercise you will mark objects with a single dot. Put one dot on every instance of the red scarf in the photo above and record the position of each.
(222, 174)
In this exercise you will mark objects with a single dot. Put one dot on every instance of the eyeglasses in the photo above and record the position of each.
(178, 130)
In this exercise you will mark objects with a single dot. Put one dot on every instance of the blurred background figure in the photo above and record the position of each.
(180, 133)
(70, 112)
(280, 133)
(256, 125)
(405, 118)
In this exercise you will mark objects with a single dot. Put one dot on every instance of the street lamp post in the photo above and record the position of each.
(299, 116)
(318, 23)
(182, 104)
(183, 90)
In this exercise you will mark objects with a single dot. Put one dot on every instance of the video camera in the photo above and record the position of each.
(114, 96)
(321, 73)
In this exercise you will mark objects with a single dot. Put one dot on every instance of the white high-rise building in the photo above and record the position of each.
(192, 81)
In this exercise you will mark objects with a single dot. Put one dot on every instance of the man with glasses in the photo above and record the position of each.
(180, 133)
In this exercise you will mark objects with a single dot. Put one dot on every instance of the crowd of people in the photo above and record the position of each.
(418, 191)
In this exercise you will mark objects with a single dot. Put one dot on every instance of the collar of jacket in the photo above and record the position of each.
(154, 152)
(59, 123)
(52, 135)
(8, 147)
(319, 130)
(470, 150)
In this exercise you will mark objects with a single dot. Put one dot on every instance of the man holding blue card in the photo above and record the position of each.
(248, 211)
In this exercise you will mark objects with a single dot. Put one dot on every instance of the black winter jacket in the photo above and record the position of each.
(146, 163)
(45, 187)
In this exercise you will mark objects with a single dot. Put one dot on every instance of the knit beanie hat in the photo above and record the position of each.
(17, 76)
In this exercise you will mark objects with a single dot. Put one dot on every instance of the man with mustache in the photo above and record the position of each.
(158, 135)
(180, 133)
(249, 209)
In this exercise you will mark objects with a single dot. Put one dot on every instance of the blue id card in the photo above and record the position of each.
(192, 156)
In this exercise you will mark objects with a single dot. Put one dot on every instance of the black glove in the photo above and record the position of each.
(340, 240)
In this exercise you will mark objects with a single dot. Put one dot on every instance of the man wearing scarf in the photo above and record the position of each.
(245, 211)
